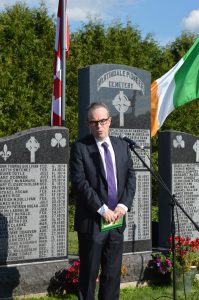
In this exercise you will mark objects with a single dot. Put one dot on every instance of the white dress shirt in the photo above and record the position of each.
(104, 207)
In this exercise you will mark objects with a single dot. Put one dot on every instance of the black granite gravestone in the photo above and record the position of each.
(179, 168)
(33, 206)
(126, 92)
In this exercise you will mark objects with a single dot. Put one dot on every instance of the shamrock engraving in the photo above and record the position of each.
(58, 140)
(178, 142)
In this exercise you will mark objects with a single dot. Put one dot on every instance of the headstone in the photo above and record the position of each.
(126, 92)
(33, 206)
(179, 168)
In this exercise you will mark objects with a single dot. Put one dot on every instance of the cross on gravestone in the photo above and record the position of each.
(33, 209)
(196, 149)
(126, 92)
(32, 145)
(121, 103)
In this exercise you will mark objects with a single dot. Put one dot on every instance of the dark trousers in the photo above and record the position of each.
(102, 250)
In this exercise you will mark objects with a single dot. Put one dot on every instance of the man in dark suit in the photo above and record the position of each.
(101, 195)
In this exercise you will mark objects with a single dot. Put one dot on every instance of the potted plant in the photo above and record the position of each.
(159, 269)
(187, 253)
(187, 259)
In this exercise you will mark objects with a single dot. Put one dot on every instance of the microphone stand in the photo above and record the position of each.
(173, 202)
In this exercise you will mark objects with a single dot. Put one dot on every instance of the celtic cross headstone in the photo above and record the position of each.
(126, 92)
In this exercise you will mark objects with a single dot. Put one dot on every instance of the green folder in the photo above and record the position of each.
(107, 226)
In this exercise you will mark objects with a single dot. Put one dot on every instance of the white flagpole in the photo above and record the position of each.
(63, 60)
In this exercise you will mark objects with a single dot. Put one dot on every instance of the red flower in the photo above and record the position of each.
(72, 273)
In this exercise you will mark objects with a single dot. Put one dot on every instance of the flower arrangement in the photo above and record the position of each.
(65, 281)
(159, 269)
(72, 272)
(72, 277)
(161, 262)
(187, 254)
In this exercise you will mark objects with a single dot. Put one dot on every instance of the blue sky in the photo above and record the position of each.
(164, 19)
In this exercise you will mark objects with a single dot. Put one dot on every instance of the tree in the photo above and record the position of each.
(116, 44)
(26, 69)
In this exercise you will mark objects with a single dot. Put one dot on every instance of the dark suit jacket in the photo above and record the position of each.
(89, 180)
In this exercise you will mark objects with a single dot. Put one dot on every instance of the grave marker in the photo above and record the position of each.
(126, 92)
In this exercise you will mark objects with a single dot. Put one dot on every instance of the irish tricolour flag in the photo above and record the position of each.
(175, 88)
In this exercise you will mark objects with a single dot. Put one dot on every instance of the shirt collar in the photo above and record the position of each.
(107, 140)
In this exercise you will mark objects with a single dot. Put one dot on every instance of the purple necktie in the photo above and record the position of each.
(112, 191)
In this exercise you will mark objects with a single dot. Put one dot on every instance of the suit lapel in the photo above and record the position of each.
(96, 157)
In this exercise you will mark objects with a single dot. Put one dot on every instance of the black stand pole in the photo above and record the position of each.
(173, 248)
(172, 203)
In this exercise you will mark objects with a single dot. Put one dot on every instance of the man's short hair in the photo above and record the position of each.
(95, 105)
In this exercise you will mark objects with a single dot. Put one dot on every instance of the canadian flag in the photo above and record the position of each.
(56, 118)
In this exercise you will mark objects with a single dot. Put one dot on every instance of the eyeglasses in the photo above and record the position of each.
(99, 122)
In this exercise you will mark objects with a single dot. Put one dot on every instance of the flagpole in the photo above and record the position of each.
(63, 62)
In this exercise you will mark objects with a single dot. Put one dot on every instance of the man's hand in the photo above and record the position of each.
(109, 216)
(119, 212)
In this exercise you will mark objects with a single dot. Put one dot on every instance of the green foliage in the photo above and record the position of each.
(72, 243)
(155, 217)
(26, 69)
(180, 46)
(116, 44)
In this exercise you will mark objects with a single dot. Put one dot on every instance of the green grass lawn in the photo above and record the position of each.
(72, 243)
(72, 235)
(152, 293)
(140, 293)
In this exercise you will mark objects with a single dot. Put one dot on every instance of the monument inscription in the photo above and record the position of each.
(33, 195)
(126, 92)
(185, 185)
(179, 167)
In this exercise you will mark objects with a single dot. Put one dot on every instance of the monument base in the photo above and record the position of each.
(35, 278)
(134, 266)
(25, 279)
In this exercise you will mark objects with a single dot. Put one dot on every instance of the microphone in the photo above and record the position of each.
(132, 143)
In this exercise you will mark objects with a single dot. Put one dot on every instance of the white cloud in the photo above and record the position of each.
(78, 10)
(4, 3)
(192, 21)
(79, 14)
(29, 3)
